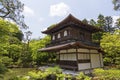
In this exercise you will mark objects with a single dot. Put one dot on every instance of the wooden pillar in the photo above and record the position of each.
(90, 59)
(100, 59)
(77, 57)
(59, 57)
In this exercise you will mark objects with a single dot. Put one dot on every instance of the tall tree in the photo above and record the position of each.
(10, 45)
(26, 58)
(101, 21)
(116, 4)
(92, 22)
(109, 24)
(12, 9)
(117, 24)
(106, 23)
(85, 21)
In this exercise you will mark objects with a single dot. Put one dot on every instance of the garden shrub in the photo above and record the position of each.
(3, 69)
(54, 73)
(82, 76)
(20, 78)
(111, 74)
(55, 69)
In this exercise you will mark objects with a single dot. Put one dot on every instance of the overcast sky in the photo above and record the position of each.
(40, 14)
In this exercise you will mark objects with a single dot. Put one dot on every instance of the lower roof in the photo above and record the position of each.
(67, 46)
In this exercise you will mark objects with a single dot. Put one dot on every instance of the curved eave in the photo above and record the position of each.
(67, 46)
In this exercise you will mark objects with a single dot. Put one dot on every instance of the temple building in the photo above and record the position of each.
(71, 40)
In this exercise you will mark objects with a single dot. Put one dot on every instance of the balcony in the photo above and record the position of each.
(69, 39)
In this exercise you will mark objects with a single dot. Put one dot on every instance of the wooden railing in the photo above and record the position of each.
(68, 39)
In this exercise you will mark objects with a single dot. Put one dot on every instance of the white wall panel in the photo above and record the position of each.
(93, 51)
(71, 50)
(61, 57)
(83, 50)
(95, 60)
(63, 51)
(82, 66)
(73, 57)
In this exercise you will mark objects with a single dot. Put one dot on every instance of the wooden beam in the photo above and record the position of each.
(100, 60)
(90, 60)
(77, 57)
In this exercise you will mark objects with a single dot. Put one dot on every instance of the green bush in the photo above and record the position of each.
(52, 73)
(3, 69)
(55, 69)
(107, 74)
(82, 76)
(20, 78)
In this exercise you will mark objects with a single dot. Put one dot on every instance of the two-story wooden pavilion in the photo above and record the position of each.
(71, 40)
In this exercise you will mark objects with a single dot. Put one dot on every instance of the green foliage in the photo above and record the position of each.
(111, 45)
(12, 10)
(92, 22)
(105, 23)
(37, 75)
(40, 57)
(20, 78)
(55, 69)
(15, 52)
(3, 69)
(47, 74)
(100, 21)
(117, 24)
(116, 4)
(10, 45)
(85, 21)
(36, 44)
(81, 76)
(16, 73)
(96, 37)
(52, 73)
(107, 74)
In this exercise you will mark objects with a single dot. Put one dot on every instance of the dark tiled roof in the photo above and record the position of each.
(72, 20)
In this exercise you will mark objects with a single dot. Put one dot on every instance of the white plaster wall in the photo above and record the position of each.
(82, 66)
(83, 50)
(63, 51)
(65, 56)
(68, 57)
(73, 57)
(93, 51)
(61, 57)
(83, 56)
(71, 50)
(95, 61)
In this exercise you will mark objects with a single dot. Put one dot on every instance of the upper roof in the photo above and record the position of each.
(72, 20)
